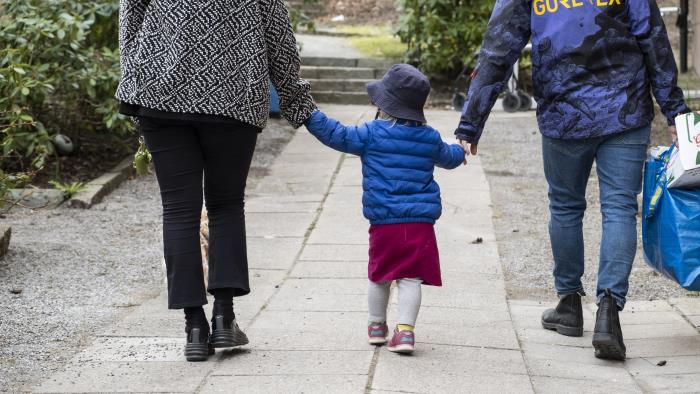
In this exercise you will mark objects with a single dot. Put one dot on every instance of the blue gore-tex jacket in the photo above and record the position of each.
(595, 64)
(397, 166)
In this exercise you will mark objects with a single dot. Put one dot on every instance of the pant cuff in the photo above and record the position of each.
(239, 289)
(579, 291)
(620, 301)
(183, 305)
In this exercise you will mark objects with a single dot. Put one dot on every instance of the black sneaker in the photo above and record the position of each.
(226, 333)
(198, 347)
(607, 336)
(567, 317)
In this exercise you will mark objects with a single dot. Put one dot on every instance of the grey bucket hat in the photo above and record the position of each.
(401, 93)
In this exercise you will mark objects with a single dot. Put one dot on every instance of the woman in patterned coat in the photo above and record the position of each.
(195, 76)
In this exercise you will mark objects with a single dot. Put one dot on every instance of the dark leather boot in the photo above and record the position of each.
(198, 347)
(607, 336)
(567, 317)
(226, 333)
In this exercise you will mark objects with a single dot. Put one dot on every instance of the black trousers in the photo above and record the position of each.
(190, 156)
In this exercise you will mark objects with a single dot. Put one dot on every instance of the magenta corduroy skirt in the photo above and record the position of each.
(404, 250)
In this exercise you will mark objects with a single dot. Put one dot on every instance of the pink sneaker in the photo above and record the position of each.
(402, 342)
(377, 333)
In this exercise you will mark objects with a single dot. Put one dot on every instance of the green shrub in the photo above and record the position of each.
(443, 35)
(300, 20)
(59, 69)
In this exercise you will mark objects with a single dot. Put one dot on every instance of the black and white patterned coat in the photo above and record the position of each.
(211, 57)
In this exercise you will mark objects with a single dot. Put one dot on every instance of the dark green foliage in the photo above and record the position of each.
(59, 69)
(299, 18)
(443, 35)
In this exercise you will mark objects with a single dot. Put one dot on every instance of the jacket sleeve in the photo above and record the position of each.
(284, 64)
(450, 156)
(131, 16)
(506, 35)
(648, 27)
(348, 139)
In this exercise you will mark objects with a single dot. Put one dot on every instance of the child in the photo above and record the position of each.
(401, 199)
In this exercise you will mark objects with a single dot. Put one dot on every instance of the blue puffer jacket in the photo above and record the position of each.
(397, 166)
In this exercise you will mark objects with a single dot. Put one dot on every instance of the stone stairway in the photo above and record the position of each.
(341, 80)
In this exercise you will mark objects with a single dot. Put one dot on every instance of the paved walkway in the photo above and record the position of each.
(306, 316)
(326, 46)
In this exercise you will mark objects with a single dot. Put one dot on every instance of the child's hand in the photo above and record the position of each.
(466, 153)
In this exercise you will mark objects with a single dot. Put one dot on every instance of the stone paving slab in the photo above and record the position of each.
(278, 224)
(142, 376)
(269, 205)
(556, 385)
(685, 383)
(334, 252)
(309, 331)
(327, 384)
(653, 332)
(649, 366)
(658, 347)
(296, 362)
(443, 369)
(689, 306)
(464, 299)
(273, 253)
(612, 373)
(330, 269)
(338, 295)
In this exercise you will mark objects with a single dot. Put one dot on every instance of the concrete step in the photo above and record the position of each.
(341, 97)
(383, 64)
(339, 85)
(314, 72)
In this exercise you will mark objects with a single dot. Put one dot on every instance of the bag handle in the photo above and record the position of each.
(660, 181)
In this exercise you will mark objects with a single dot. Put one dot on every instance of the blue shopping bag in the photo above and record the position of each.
(671, 226)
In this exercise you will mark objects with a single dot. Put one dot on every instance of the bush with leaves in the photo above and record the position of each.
(443, 35)
(59, 68)
(299, 18)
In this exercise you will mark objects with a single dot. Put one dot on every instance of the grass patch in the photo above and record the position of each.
(375, 41)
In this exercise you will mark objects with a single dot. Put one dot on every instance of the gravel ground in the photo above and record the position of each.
(511, 154)
(76, 270)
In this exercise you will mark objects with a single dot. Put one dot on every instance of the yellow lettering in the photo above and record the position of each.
(614, 2)
(576, 3)
(565, 3)
(538, 7)
(600, 3)
(552, 9)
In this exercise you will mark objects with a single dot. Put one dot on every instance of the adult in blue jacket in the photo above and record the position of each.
(595, 65)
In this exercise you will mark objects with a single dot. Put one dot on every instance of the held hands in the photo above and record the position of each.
(468, 149)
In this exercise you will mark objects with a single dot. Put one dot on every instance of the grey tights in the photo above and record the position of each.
(409, 300)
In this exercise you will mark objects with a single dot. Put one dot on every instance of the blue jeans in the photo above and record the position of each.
(567, 165)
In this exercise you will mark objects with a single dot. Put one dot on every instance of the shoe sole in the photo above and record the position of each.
(377, 341)
(198, 352)
(403, 349)
(228, 338)
(607, 347)
(563, 330)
